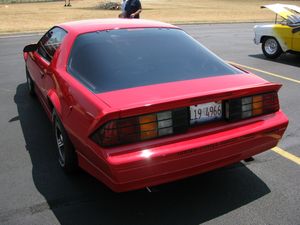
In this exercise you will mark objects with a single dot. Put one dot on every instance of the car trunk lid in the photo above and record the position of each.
(172, 95)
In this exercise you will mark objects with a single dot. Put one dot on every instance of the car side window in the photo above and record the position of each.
(50, 42)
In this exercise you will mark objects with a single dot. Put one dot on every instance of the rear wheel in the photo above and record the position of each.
(67, 157)
(271, 48)
(30, 83)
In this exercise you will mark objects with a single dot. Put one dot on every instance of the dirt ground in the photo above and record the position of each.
(32, 17)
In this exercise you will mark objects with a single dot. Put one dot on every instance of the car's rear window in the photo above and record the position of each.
(119, 59)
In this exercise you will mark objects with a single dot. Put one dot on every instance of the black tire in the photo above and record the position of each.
(67, 156)
(30, 83)
(271, 48)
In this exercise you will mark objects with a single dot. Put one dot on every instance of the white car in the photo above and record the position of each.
(283, 35)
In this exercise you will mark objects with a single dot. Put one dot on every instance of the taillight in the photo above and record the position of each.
(246, 107)
(150, 126)
(142, 127)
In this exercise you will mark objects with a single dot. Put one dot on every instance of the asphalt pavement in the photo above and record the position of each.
(34, 190)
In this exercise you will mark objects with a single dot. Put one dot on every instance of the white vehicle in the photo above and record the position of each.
(283, 35)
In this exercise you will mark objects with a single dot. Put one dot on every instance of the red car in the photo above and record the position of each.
(138, 103)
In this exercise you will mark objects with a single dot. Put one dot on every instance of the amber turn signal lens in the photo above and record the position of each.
(257, 105)
(148, 126)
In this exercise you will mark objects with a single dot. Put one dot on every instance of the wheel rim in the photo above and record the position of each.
(60, 145)
(271, 46)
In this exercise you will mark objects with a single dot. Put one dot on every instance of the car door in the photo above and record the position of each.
(44, 54)
(296, 39)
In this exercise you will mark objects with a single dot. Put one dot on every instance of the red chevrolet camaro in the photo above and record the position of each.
(138, 103)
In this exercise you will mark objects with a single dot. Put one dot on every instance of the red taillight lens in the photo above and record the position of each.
(142, 127)
(251, 106)
(271, 103)
(127, 130)
(108, 134)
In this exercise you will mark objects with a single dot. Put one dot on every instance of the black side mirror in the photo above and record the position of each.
(30, 48)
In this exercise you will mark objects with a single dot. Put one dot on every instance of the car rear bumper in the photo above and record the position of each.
(186, 158)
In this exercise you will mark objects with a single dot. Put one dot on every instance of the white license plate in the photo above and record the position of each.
(207, 112)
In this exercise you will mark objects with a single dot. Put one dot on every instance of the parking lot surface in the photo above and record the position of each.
(34, 190)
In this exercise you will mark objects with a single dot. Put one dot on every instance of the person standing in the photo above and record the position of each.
(123, 4)
(133, 8)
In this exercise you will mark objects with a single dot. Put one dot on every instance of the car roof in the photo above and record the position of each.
(86, 26)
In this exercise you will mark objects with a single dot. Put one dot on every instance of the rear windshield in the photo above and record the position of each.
(119, 59)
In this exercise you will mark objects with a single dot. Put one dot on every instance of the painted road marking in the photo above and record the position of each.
(287, 155)
(265, 72)
(20, 35)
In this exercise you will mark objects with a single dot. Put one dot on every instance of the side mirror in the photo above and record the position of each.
(30, 48)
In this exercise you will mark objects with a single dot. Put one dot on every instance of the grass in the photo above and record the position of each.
(39, 16)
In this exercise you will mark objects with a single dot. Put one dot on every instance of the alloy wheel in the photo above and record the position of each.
(271, 46)
(60, 145)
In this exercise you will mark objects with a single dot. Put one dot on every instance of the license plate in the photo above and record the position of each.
(207, 112)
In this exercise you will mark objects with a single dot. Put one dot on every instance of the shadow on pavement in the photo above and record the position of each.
(81, 199)
(287, 59)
